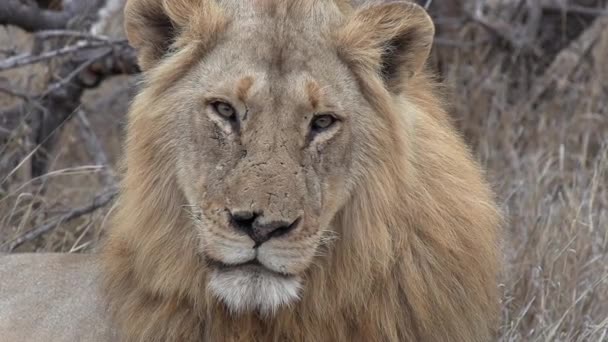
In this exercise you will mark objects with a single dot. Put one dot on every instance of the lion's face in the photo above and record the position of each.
(269, 127)
(266, 143)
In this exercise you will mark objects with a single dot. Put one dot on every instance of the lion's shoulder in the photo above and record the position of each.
(51, 297)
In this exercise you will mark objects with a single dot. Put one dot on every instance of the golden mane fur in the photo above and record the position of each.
(420, 260)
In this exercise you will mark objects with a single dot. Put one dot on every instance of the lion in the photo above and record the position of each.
(291, 174)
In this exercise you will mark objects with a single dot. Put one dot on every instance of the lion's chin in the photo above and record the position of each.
(253, 289)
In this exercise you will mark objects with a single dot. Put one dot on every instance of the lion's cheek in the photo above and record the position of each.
(231, 250)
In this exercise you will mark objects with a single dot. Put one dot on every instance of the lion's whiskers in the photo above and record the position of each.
(327, 237)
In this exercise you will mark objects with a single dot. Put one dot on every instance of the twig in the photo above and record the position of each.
(564, 64)
(62, 82)
(30, 17)
(26, 59)
(459, 44)
(15, 93)
(532, 20)
(95, 149)
(47, 137)
(70, 34)
(61, 99)
(501, 30)
(7, 52)
(556, 5)
(10, 115)
(97, 202)
(122, 61)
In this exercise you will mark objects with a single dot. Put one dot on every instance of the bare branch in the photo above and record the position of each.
(564, 64)
(63, 97)
(94, 58)
(65, 80)
(95, 149)
(26, 59)
(30, 17)
(502, 30)
(14, 92)
(122, 60)
(459, 44)
(557, 5)
(70, 34)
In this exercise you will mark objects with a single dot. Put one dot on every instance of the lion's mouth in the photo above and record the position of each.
(253, 265)
(252, 286)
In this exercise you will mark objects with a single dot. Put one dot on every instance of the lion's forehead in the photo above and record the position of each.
(291, 34)
(294, 11)
(286, 54)
(283, 53)
(301, 86)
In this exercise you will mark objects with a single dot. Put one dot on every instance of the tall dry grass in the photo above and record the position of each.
(548, 161)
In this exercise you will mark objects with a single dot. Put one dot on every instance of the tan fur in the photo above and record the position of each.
(52, 297)
(400, 245)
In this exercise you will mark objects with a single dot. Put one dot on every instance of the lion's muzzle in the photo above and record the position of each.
(258, 227)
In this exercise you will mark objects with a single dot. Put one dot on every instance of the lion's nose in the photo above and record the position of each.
(258, 228)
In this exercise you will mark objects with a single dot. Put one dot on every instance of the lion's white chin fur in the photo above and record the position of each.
(251, 289)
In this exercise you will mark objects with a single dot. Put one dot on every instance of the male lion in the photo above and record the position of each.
(290, 176)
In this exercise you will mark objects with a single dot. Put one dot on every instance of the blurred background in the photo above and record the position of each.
(526, 83)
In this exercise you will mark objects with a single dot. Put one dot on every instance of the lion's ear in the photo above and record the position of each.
(393, 39)
(154, 27)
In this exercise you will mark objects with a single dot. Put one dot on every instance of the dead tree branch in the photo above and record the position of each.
(47, 112)
(95, 149)
(563, 6)
(27, 58)
(564, 64)
(70, 34)
(28, 16)
(56, 105)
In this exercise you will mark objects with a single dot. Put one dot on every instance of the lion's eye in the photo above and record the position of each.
(224, 109)
(322, 122)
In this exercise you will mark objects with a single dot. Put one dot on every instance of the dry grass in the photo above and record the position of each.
(548, 161)
(549, 164)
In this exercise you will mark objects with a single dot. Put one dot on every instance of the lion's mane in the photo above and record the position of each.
(416, 259)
